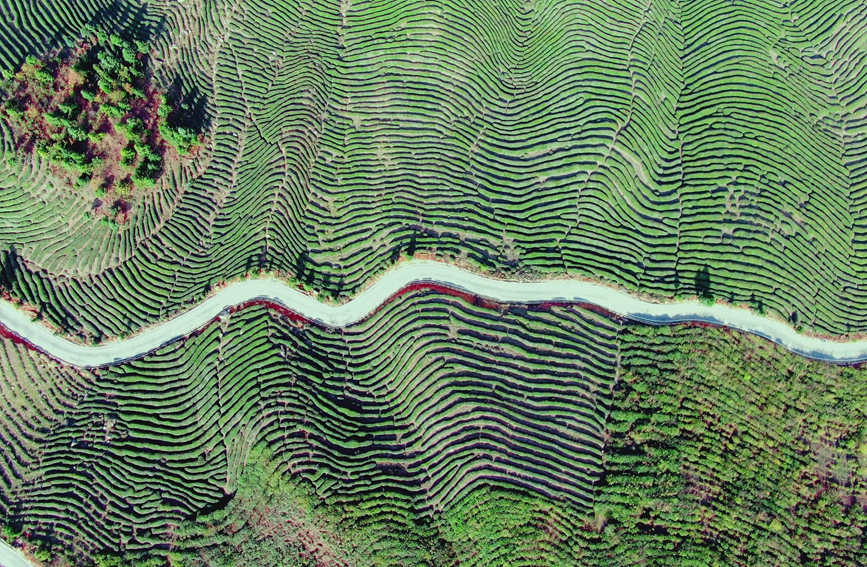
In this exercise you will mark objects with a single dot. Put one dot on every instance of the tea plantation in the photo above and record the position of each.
(438, 432)
(711, 148)
(658, 146)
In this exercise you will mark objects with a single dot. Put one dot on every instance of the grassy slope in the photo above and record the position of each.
(724, 450)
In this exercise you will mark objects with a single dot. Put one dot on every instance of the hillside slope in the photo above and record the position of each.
(619, 141)
(418, 429)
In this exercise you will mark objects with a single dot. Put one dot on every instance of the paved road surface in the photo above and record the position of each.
(11, 557)
(416, 271)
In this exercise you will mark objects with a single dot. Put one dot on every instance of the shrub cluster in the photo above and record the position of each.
(93, 113)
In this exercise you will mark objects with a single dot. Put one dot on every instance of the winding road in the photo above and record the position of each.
(431, 272)
(12, 557)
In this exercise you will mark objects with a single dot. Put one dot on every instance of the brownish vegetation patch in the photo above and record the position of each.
(93, 113)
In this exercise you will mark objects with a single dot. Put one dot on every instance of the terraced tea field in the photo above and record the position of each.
(616, 141)
(410, 409)
(707, 156)
(396, 425)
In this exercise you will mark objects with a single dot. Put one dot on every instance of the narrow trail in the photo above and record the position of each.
(426, 273)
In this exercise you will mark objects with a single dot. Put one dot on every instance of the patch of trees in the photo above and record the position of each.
(92, 111)
(722, 451)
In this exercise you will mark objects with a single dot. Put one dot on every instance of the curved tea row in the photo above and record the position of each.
(600, 139)
(437, 408)
(407, 410)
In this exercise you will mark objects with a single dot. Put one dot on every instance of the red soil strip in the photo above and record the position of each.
(439, 288)
(272, 305)
(7, 334)
(17, 339)
(547, 305)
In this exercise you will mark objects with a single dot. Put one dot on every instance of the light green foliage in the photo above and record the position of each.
(105, 85)
(112, 111)
(77, 133)
(109, 222)
(57, 120)
(43, 76)
(68, 108)
(275, 521)
(503, 527)
(128, 155)
(129, 55)
(124, 188)
(164, 108)
(181, 138)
